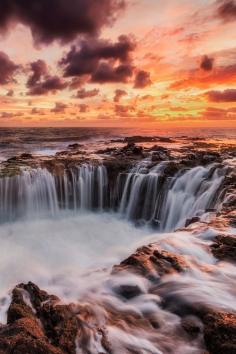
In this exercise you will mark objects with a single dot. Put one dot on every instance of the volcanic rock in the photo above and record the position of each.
(220, 332)
(151, 262)
(38, 323)
(224, 247)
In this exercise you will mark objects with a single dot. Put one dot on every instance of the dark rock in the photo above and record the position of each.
(192, 221)
(220, 332)
(140, 139)
(128, 291)
(171, 169)
(132, 149)
(26, 156)
(224, 247)
(192, 325)
(74, 146)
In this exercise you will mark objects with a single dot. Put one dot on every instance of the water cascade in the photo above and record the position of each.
(37, 192)
(150, 196)
(143, 194)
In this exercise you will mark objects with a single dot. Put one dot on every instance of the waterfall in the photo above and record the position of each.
(166, 202)
(143, 194)
(191, 194)
(37, 192)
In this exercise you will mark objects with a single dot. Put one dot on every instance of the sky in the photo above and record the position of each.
(147, 63)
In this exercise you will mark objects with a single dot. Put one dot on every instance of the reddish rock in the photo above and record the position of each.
(38, 323)
(220, 332)
(151, 262)
(224, 247)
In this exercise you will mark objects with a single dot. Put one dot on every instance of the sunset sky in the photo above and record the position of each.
(118, 63)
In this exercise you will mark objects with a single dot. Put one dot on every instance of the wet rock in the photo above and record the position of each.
(224, 247)
(192, 221)
(107, 151)
(25, 336)
(140, 139)
(220, 332)
(26, 156)
(192, 325)
(59, 321)
(18, 308)
(74, 146)
(132, 149)
(38, 323)
(128, 291)
(147, 139)
(171, 169)
(152, 263)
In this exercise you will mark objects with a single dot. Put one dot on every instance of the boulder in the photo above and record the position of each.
(224, 247)
(151, 262)
(220, 332)
(38, 323)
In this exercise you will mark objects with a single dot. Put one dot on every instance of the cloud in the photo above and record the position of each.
(107, 73)
(221, 75)
(51, 84)
(9, 115)
(77, 82)
(7, 69)
(207, 63)
(222, 96)
(123, 111)
(142, 79)
(87, 58)
(40, 82)
(59, 107)
(212, 113)
(83, 108)
(38, 69)
(227, 10)
(10, 93)
(82, 94)
(62, 20)
(118, 95)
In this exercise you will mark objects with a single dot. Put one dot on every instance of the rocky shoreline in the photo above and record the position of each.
(39, 323)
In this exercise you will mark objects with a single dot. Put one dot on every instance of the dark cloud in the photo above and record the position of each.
(207, 63)
(62, 20)
(87, 58)
(7, 69)
(9, 115)
(51, 84)
(222, 96)
(59, 107)
(123, 111)
(227, 10)
(10, 93)
(85, 94)
(142, 79)
(40, 82)
(107, 73)
(77, 82)
(37, 111)
(38, 70)
(83, 108)
(118, 95)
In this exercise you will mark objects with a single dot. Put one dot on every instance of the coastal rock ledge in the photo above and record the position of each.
(39, 323)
